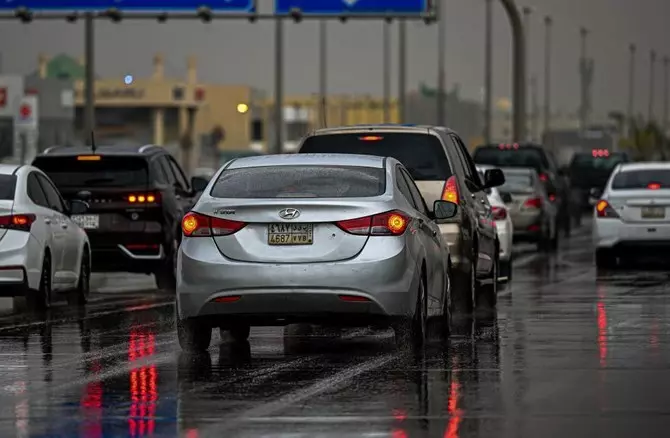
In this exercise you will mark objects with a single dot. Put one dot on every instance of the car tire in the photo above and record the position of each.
(40, 300)
(166, 275)
(80, 295)
(413, 332)
(505, 269)
(463, 300)
(487, 294)
(194, 337)
(605, 259)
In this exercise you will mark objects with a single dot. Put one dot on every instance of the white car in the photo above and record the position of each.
(504, 227)
(632, 215)
(42, 251)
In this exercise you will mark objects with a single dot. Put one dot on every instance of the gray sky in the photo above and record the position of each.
(240, 52)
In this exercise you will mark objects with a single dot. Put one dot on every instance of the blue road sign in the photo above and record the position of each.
(233, 6)
(353, 7)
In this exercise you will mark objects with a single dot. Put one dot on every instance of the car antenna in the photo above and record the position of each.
(93, 141)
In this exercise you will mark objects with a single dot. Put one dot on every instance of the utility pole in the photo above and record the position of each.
(534, 134)
(652, 77)
(664, 124)
(89, 79)
(547, 73)
(585, 74)
(530, 115)
(630, 111)
(488, 73)
(323, 73)
(279, 86)
(402, 69)
(441, 60)
(387, 71)
(518, 69)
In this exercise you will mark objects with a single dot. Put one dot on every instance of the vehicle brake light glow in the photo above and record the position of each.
(533, 203)
(654, 186)
(89, 158)
(371, 138)
(199, 225)
(544, 177)
(499, 213)
(605, 210)
(552, 197)
(17, 222)
(596, 153)
(450, 191)
(392, 223)
(141, 198)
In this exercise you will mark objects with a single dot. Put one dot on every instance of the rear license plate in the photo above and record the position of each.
(87, 221)
(290, 234)
(653, 212)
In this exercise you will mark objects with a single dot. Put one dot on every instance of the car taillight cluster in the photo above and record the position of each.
(533, 203)
(544, 177)
(499, 213)
(450, 191)
(200, 225)
(605, 210)
(143, 198)
(18, 222)
(392, 223)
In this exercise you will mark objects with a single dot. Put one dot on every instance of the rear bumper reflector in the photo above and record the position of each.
(228, 299)
(354, 299)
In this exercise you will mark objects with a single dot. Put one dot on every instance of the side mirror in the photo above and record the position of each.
(493, 178)
(199, 184)
(506, 197)
(78, 207)
(444, 210)
(595, 192)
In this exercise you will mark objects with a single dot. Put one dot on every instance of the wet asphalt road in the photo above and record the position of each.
(569, 354)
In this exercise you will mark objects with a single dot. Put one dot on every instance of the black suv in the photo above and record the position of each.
(589, 172)
(137, 197)
(442, 168)
(536, 157)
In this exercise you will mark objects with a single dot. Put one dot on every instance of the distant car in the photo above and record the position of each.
(534, 216)
(528, 155)
(322, 239)
(632, 217)
(589, 172)
(504, 227)
(437, 159)
(42, 251)
(137, 197)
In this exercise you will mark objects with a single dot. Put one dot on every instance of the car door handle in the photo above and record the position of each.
(473, 196)
(63, 226)
(482, 201)
(47, 221)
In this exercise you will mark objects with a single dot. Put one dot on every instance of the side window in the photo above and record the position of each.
(158, 172)
(468, 160)
(35, 192)
(181, 179)
(419, 202)
(165, 165)
(462, 159)
(53, 197)
(403, 187)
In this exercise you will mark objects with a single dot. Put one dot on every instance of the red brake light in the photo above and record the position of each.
(18, 222)
(552, 197)
(544, 177)
(199, 225)
(533, 203)
(450, 190)
(499, 213)
(654, 186)
(605, 210)
(392, 223)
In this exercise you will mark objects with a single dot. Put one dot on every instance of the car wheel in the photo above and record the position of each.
(166, 276)
(462, 301)
(40, 299)
(487, 294)
(80, 295)
(505, 269)
(445, 323)
(239, 333)
(194, 337)
(605, 259)
(413, 332)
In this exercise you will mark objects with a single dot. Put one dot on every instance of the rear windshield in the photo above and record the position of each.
(589, 162)
(517, 183)
(300, 182)
(107, 172)
(7, 187)
(510, 157)
(422, 154)
(642, 179)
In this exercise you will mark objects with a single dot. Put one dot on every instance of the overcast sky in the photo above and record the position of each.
(240, 52)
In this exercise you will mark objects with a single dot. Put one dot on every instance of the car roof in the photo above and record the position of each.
(121, 150)
(309, 159)
(385, 127)
(8, 169)
(649, 165)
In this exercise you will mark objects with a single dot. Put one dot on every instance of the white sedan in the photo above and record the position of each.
(504, 227)
(42, 251)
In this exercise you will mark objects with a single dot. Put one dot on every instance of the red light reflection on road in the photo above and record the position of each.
(602, 327)
(455, 413)
(91, 406)
(143, 385)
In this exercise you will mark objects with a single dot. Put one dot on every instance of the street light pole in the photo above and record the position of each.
(387, 71)
(402, 69)
(519, 67)
(664, 124)
(441, 60)
(632, 49)
(547, 73)
(652, 77)
(527, 12)
(323, 73)
(583, 33)
(279, 86)
(488, 73)
(89, 78)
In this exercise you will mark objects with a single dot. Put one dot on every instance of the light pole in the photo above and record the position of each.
(530, 116)
(323, 73)
(89, 78)
(441, 60)
(519, 67)
(583, 106)
(386, 75)
(652, 77)
(488, 73)
(548, 22)
(279, 86)
(632, 49)
(402, 69)
(664, 124)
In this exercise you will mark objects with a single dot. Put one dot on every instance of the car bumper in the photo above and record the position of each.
(278, 293)
(505, 233)
(613, 233)
(126, 258)
(451, 233)
(20, 263)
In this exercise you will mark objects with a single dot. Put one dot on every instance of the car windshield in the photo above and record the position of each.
(517, 183)
(511, 157)
(423, 155)
(590, 170)
(7, 187)
(107, 171)
(301, 182)
(642, 179)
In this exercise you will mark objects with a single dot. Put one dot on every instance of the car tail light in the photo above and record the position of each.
(552, 197)
(499, 213)
(544, 177)
(450, 190)
(18, 222)
(654, 186)
(200, 225)
(392, 223)
(533, 203)
(605, 210)
(143, 198)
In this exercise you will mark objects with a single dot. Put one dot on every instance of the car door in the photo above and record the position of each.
(437, 251)
(480, 203)
(44, 222)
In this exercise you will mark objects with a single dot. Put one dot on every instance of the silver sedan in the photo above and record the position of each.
(331, 240)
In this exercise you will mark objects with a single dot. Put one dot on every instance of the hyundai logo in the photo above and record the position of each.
(289, 213)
